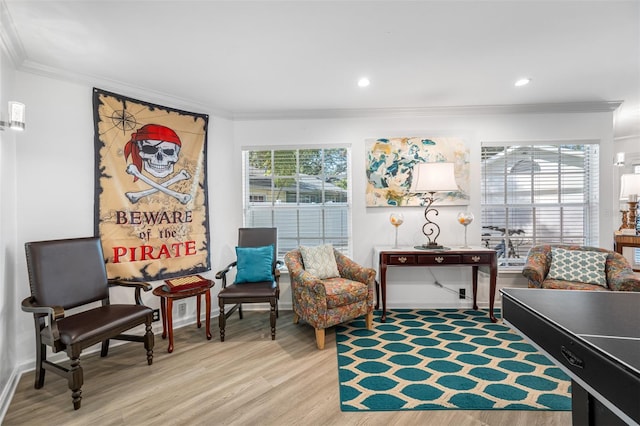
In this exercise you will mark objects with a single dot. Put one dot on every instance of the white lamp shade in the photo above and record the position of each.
(629, 187)
(433, 177)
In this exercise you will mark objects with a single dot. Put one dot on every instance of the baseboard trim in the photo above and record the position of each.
(10, 389)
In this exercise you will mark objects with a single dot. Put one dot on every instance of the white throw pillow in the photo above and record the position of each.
(320, 261)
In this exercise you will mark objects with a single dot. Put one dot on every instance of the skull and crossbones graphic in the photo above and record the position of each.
(155, 149)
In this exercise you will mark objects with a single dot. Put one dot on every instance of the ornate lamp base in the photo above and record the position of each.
(625, 220)
(431, 246)
(629, 217)
(633, 208)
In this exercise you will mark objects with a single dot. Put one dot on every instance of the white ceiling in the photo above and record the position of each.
(266, 58)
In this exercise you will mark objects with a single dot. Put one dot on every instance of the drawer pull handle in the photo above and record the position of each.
(475, 258)
(439, 259)
(402, 259)
(571, 357)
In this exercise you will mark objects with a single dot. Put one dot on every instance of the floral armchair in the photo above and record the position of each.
(618, 272)
(323, 303)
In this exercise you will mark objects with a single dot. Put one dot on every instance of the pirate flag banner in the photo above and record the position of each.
(151, 188)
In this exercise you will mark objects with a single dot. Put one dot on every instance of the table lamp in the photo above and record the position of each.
(429, 178)
(629, 190)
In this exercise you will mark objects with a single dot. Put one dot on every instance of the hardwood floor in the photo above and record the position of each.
(247, 380)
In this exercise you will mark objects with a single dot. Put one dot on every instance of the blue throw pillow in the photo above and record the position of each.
(254, 264)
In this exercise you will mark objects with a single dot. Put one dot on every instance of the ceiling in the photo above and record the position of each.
(252, 59)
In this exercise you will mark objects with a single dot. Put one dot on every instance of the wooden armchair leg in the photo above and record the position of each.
(296, 317)
(149, 342)
(320, 338)
(222, 319)
(75, 378)
(41, 353)
(105, 348)
(370, 320)
(41, 357)
(273, 319)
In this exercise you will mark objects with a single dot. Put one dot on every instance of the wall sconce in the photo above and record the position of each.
(619, 160)
(431, 178)
(629, 190)
(16, 117)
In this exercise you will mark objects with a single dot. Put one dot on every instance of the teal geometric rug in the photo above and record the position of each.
(444, 359)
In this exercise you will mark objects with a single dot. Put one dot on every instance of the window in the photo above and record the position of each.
(538, 194)
(305, 193)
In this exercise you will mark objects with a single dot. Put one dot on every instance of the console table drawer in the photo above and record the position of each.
(476, 258)
(438, 259)
(402, 259)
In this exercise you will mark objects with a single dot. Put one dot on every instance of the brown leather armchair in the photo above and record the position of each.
(261, 291)
(71, 273)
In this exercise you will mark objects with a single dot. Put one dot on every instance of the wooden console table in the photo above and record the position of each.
(474, 257)
(621, 241)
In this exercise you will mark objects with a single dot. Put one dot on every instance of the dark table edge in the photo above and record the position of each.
(575, 378)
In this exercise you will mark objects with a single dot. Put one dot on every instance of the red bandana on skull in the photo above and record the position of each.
(154, 132)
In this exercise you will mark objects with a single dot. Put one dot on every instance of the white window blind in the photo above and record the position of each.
(305, 193)
(538, 194)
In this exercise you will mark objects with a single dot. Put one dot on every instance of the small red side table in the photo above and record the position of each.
(166, 308)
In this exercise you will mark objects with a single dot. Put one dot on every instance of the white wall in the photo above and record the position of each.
(8, 305)
(631, 147)
(406, 287)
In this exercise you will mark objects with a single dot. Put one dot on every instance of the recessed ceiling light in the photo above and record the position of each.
(523, 82)
(363, 82)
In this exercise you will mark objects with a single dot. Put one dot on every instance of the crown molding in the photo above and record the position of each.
(149, 95)
(542, 108)
(626, 137)
(9, 40)
(26, 65)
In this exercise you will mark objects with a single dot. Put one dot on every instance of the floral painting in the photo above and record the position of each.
(390, 163)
